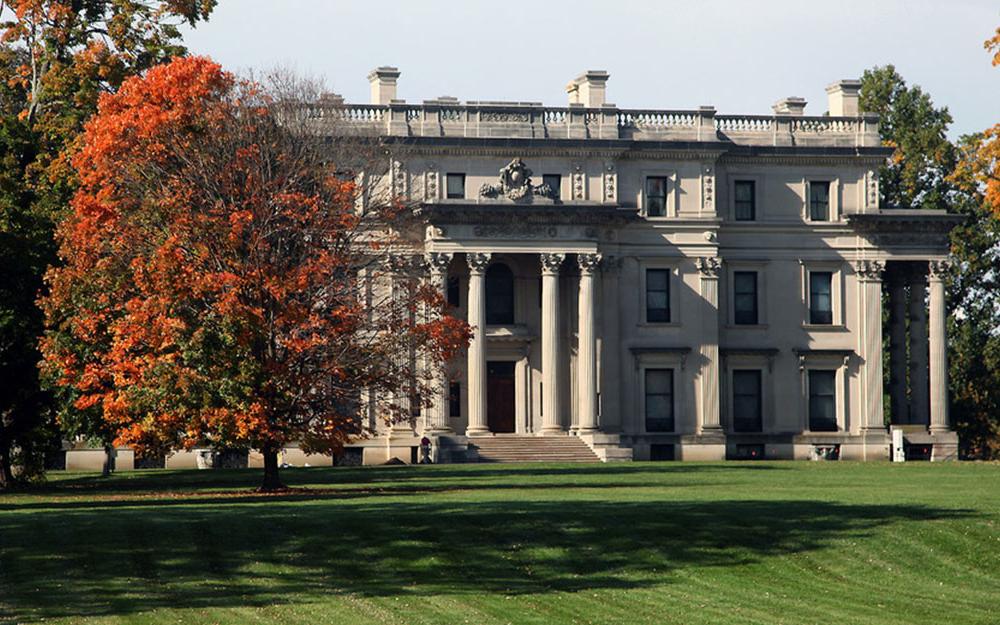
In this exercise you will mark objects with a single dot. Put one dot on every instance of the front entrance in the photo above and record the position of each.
(500, 396)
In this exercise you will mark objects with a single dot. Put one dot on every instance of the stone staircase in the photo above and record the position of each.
(518, 448)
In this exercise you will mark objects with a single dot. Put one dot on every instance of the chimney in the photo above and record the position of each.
(790, 106)
(589, 89)
(383, 83)
(843, 98)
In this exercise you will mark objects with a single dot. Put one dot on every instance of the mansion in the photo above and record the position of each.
(668, 284)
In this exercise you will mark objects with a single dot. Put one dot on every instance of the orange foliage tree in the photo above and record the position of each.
(980, 159)
(212, 289)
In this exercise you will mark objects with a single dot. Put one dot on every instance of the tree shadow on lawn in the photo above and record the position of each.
(79, 562)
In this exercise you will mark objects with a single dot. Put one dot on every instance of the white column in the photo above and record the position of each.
(938, 349)
(587, 345)
(919, 403)
(439, 422)
(897, 350)
(551, 364)
(401, 268)
(609, 359)
(869, 274)
(477, 346)
(709, 379)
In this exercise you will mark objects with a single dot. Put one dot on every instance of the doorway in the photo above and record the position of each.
(500, 396)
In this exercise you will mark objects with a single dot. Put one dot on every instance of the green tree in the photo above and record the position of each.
(56, 58)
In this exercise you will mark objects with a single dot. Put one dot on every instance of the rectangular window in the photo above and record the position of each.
(822, 400)
(746, 401)
(657, 296)
(554, 182)
(454, 292)
(746, 200)
(455, 400)
(819, 201)
(821, 297)
(455, 184)
(656, 196)
(659, 400)
(745, 297)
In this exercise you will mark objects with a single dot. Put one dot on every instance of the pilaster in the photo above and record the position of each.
(709, 268)
(869, 274)
(587, 344)
(439, 422)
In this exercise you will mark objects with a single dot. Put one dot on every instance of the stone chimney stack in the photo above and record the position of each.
(383, 84)
(843, 98)
(589, 89)
(790, 106)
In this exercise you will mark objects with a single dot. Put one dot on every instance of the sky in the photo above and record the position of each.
(739, 56)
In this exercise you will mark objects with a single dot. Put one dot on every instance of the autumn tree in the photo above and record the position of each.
(56, 58)
(232, 280)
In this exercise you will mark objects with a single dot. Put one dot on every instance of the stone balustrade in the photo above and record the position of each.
(531, 120)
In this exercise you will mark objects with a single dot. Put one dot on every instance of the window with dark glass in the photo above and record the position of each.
(454, 292)
(746, 200)
(745, 297)
(499, 295)
(554, 182)
(746, 401)
(659, 400)
(455, 186)
(822, 400)
(819, 201)
(455, 399)
(657, 295)
(656, 196)
(821, 297)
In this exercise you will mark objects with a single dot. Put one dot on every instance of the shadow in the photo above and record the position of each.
(91, 559)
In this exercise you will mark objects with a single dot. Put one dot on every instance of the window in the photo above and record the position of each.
(656, 196)
(745, 297)
(499, 295)
(455, 184)
(822, 400)
(454, 292)
(657, 296)
(746, 201)
(819, 201)
(821, 297)
(659, 400)
(746, 401)
(554, 182)
(455, 400)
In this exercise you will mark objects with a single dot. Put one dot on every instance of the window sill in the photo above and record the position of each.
(824, 327)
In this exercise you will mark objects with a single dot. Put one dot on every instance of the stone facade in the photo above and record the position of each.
(671, 283)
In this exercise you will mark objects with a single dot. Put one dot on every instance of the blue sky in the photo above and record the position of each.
(738, 56)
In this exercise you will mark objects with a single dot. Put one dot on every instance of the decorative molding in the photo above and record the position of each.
(579, 182)
(399, 179)
(869, 270)
(401, 263)
(477, 261)
(871, 189)
(708, 188)
(515, 184)
(431, 182)
(708, 266)
(610, 183)
(939, 269)
(438, 261)
(588, 262)
(552, 262)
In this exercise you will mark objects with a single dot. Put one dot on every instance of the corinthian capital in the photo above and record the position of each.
(438, 261)
(477, 261)
(552, 261)
(588, 262)
(938, 269)
(709, 266)
(869, 269)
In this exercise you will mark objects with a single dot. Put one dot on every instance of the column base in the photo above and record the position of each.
(478, 431)
(552, 431)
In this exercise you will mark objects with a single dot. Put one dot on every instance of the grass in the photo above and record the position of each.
(629, 543)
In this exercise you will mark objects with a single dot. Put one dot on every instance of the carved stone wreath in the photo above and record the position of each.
(515, 184)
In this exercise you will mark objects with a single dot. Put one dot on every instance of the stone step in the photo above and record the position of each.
(514, 448)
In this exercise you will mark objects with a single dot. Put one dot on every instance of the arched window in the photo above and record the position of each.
(499, 295)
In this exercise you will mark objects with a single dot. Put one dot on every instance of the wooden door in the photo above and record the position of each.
(500, 397)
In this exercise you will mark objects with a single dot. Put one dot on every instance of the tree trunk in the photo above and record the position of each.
(272, 481)
(6, 470)
(109, 460)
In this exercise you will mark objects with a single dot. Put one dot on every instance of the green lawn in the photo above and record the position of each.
(629, 543)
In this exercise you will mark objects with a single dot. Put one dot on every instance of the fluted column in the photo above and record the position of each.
(477, 346)
(551, 363)
(938, 349)
(869, 273)
(709, 379)
(587, 344)
(439, 422)
(401, 267)
(919, 403)
(897, 351)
